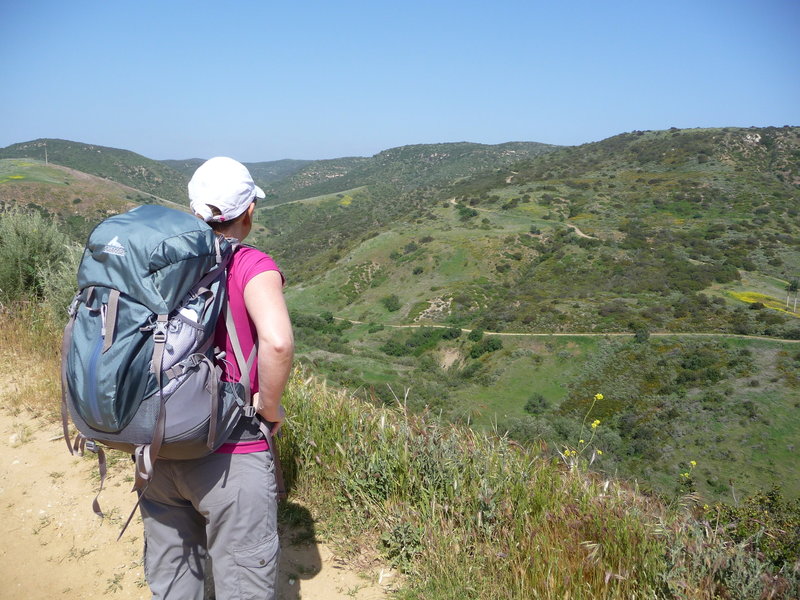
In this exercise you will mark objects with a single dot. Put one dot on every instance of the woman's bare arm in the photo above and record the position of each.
(263, 298)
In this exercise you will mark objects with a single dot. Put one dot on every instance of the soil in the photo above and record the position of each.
(53, 546)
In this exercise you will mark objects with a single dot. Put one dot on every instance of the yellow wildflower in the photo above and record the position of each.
(600, 452)
(581, 441)
(598, 396)
(595, 423)
(693, 463)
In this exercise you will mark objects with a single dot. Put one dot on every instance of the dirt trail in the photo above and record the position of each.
(53, 546)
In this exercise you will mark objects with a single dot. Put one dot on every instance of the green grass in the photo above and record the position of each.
(557, 361)
(459, 510)
(32, 171)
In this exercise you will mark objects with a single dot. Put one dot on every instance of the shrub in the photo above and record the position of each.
(392, 302)
(29, 244)
(490, 344)
(59, 281)
(536, 404)
(475, 335)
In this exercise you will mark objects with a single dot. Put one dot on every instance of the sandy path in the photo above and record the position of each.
(53, 546)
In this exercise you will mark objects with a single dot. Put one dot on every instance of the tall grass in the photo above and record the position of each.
(470, 515)
(38, 266)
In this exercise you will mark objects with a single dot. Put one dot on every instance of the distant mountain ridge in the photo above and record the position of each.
(265, 173)
(405, 168)
(122, 166)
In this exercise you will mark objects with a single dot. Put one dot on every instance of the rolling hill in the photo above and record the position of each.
(635, 266)
(404, 168)
(667, 236)
(122, 166)
(264, 173)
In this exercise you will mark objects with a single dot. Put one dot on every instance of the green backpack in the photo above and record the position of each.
(139, 367)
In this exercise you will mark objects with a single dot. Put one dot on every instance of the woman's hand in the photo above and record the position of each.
(275, 417)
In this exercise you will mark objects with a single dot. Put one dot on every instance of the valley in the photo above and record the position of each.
(504, 286)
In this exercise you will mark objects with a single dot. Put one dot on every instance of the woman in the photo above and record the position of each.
(224, 506)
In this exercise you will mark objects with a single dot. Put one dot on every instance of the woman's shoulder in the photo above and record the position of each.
(250, 261)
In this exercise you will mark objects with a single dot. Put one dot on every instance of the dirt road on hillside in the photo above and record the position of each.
(53, 546)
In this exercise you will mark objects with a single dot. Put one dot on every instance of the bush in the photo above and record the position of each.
(536, 404)
(29, 245)
(60, 283)
(475, 335)
(392, 302)
(490, 344)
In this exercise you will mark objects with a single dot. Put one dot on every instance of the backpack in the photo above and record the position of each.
(139, 369)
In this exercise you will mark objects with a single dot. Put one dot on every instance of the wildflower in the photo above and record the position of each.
(595, 423)
(600, 452)
(705, 506)
(581, 442)
(598, 396)
(693, 463)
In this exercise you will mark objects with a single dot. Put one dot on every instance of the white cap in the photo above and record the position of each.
(225, 184)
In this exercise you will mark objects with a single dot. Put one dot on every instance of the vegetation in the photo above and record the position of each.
(122, 166)
(457, 508)
(30, 247)
(405, 168)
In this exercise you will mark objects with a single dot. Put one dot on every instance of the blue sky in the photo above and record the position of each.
(263, 80)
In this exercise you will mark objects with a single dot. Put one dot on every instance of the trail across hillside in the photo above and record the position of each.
(588, 334)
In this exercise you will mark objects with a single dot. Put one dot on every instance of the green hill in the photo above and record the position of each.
(651, 233)
(264, 173)
(649, 257)
(404, 168)
(122, 166)
(76, 199)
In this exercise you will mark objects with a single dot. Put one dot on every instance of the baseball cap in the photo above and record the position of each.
(223, 183)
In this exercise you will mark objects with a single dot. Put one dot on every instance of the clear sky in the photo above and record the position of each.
(261, 80)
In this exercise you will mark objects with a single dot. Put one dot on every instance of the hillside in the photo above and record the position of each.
(448, 507)
(122, 166)
(264, 173)
(403, 168)
(76, 199)
(649, 233)
(655, 267)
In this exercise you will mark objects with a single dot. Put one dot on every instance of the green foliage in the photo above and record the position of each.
(475, 335)
(489, 344)
(418, 341)
(454, 505)
(536, 404)
(766, 521)
(29, 244)
(391, 302)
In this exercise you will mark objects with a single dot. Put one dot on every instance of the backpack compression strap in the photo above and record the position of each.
(244, 368)
(81, 442)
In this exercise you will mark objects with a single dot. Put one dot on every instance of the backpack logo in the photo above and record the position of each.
(114, 247)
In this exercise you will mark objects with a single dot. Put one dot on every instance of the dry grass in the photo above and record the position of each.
(30, 352)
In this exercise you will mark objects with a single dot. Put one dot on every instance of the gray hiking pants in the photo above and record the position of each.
(223, 506)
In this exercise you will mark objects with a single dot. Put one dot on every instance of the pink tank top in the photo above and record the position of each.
(245, 264)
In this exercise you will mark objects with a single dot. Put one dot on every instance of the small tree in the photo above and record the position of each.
(536, 404)
(392, 302)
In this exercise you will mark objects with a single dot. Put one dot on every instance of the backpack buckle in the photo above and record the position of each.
(73, 307)
(249, 411)
(160, 333)
(91, 446)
